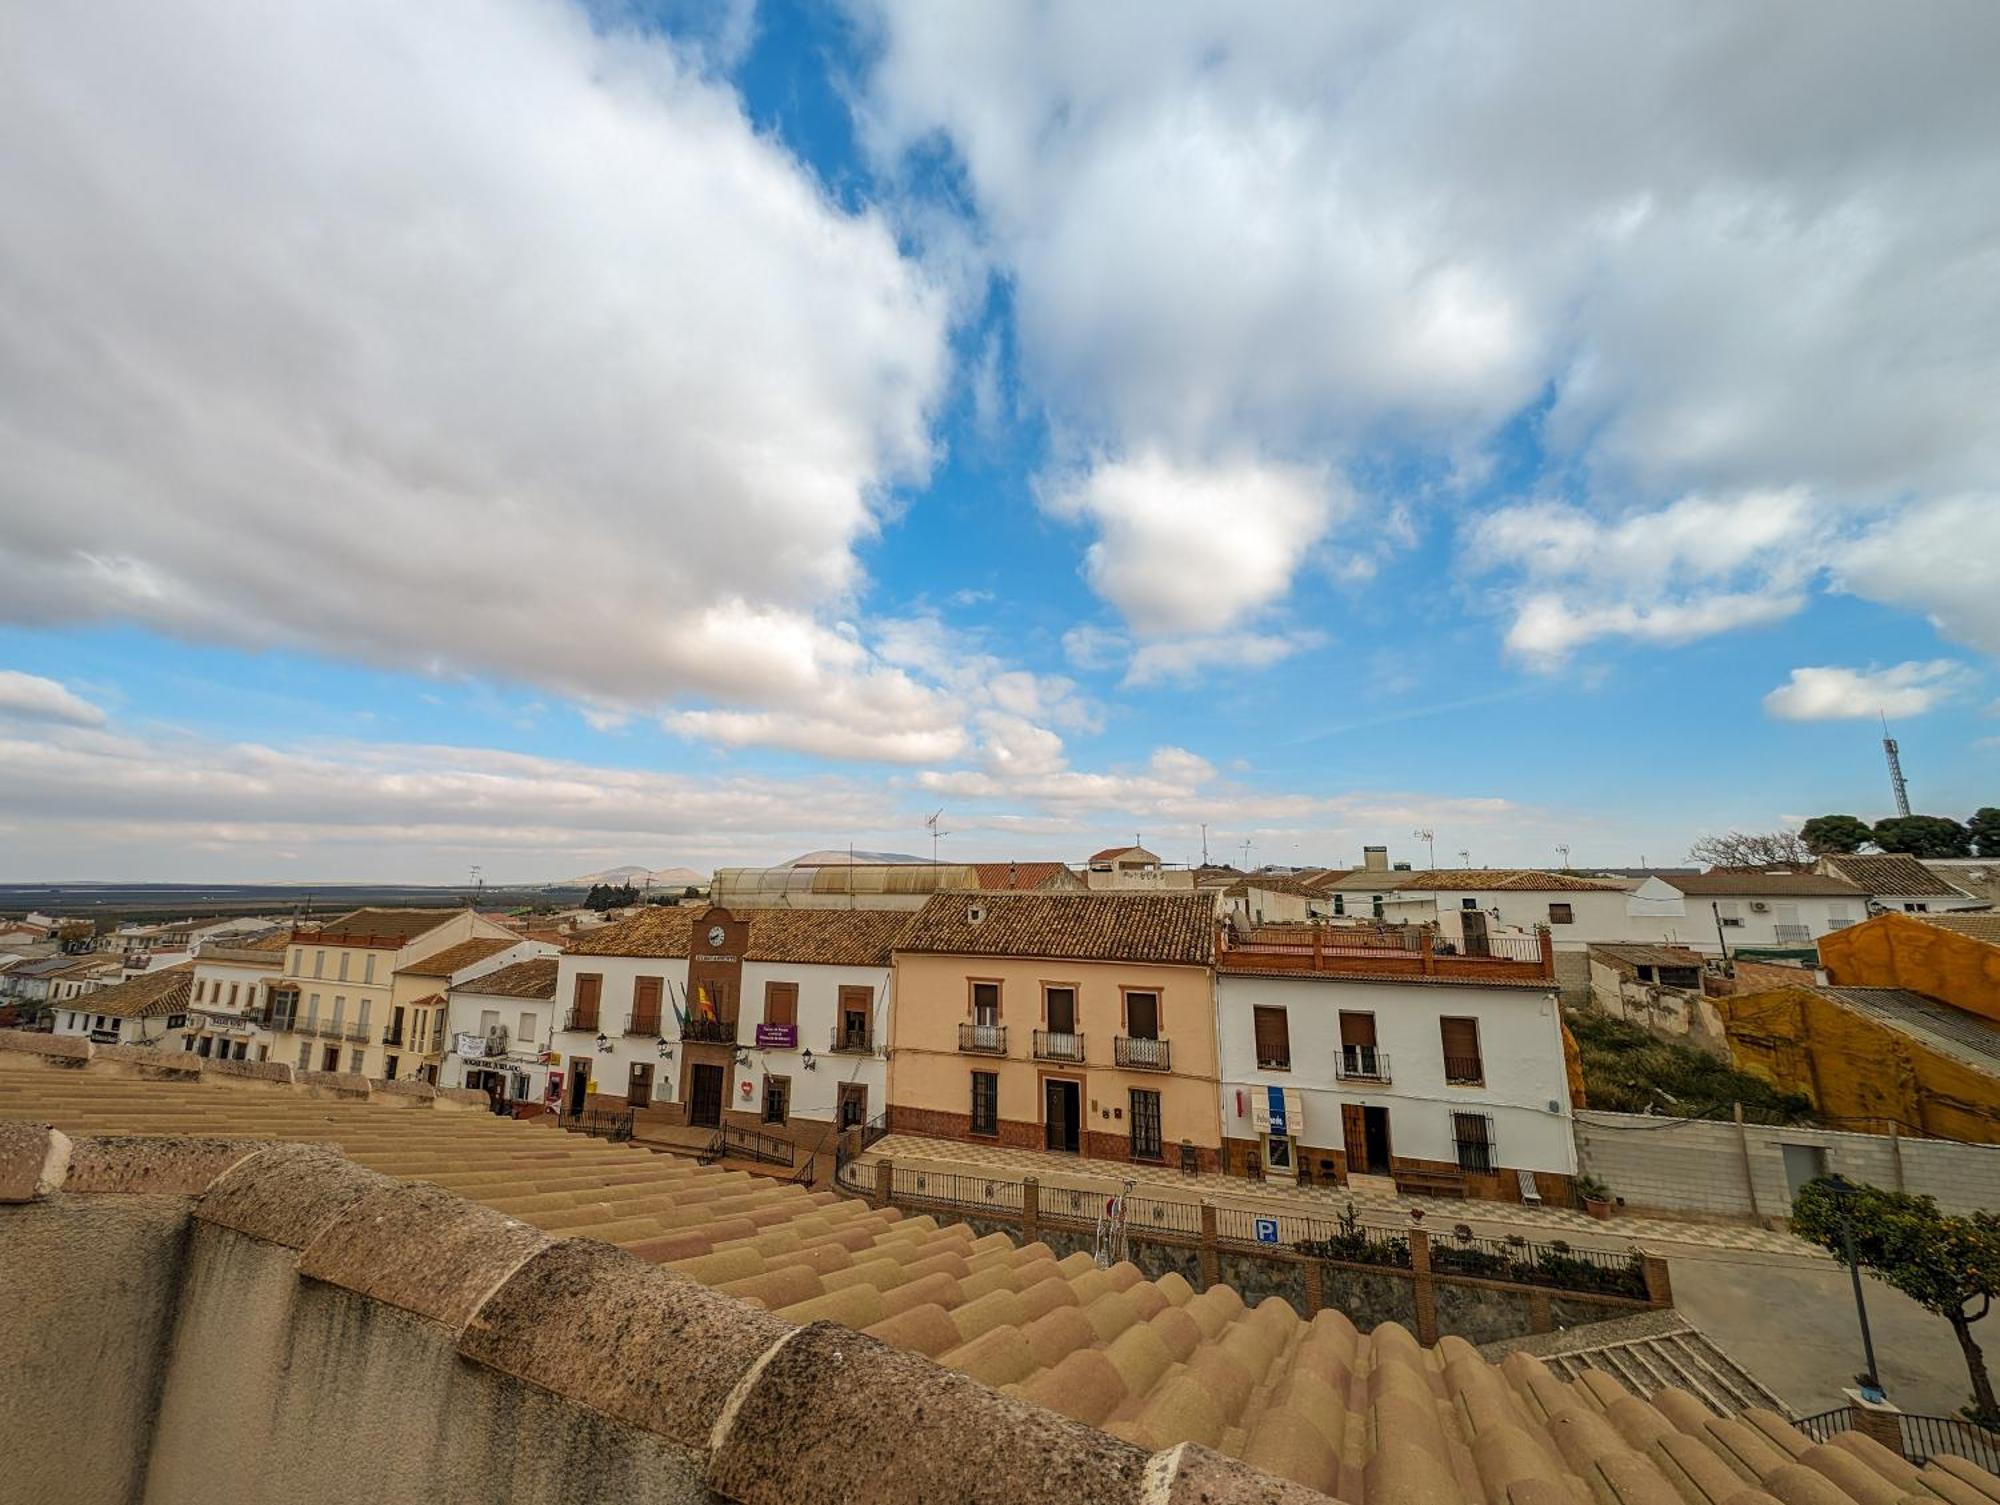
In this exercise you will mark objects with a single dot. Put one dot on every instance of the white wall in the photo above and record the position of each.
(1520, 1039)
(815, 1093)
(248, 979)
(611, 1067)
(530, 1024)
(1760, 927)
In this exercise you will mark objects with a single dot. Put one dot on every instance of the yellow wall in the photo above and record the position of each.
(1851, 1066)
(1896, 951)
(927, 1072)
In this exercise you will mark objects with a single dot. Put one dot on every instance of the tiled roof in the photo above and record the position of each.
(1979, 924)
(535, 978)
(464, 954)
(146, 996)
(1370, 1418)
(1270, 883)
(1725, 882)
(1017, 875)
(391, 924)
(1110, 852)
(1892, 873)
(817, 937)
(1475, 879)
(1647, 956)
(1170, 928)
(1324, 881)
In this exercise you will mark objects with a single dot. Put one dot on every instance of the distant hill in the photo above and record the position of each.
(860, 859)
(665, 877)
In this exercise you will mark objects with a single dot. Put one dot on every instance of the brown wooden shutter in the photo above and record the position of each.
(646, 1005)
(1274, 1037)
(588, 986)
(781, 1003)
(1357, 1029)
(1461, 1049)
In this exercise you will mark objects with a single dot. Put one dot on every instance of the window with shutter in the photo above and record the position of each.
(1142, 1016)
(1460, 1038)
(1274, 1039)
(583, 1013)
(781, 1003)
(646, 995)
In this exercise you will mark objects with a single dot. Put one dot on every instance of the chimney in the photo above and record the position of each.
(1013, 874)
(1375, 859)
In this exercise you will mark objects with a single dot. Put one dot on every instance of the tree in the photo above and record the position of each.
(1923, 836)
(604, 896)
(1984, 829)
(1749, 849)
(1835, 833)
(1947, 1264)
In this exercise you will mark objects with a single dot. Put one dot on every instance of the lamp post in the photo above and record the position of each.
(1842, 1191)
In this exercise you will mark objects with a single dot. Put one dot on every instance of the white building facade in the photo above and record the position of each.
(1439, 1085)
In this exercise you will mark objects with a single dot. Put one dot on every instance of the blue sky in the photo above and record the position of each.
(700, 434)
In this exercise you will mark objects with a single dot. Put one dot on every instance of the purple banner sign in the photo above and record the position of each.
(777, 1037)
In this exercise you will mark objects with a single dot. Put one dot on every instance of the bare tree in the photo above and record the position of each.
(1750, 849)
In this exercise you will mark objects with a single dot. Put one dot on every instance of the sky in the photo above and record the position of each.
(542, 436)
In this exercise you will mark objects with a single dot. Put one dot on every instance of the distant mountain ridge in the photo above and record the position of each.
(638, 877)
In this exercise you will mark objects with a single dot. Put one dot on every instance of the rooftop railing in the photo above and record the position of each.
(1391, 951)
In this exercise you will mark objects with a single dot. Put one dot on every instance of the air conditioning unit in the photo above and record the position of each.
(1758, 906)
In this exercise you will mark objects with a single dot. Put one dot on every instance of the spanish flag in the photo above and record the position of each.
(702, 1005)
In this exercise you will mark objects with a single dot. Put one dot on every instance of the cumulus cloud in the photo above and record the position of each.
(1719, 256)
(1183, 660)
(452, 338)
(1830, 693)
(1193, 548)
(1941, 558)
(29, 697)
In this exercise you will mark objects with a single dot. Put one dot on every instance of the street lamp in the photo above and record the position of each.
(1842, 1192)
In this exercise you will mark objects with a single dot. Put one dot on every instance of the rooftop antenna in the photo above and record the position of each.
(1563, 847)
(1204, 843)
(478, 885)
(1896, 783)
(1429, 837)
(1462, 852)
(931, 825)
(1246, 854)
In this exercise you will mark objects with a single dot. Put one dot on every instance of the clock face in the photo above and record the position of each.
(716, 935)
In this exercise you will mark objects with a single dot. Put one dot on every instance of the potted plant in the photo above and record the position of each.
(1595, 1196)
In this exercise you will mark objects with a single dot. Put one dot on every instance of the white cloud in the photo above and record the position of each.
(1090, 647)
(29, 697)
(1830, 693)
(1184, 660)
(1941, 558)
(449, 337)
(1194, 548)
(1736, 257)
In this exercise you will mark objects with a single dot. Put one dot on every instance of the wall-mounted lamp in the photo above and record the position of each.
(806, 1060)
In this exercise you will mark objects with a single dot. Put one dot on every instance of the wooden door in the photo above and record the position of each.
(1472, 925)
(639, 1089)
(1354, 1127)
(705, 1095)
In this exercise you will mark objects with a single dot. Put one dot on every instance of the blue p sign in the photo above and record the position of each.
(1267, 1230)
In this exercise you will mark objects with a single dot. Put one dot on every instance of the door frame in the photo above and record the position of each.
(638, 1074)
(1049, 1080)
(578, 1096)
(721, 1079)
(850, 1092)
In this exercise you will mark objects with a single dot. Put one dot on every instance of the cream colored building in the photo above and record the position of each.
(333, 1003)
(1081, 1023)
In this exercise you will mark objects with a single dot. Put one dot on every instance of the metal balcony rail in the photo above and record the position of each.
(1361, 1063)
(857, 1042)
(709, 1031)
(983, 1039)
(1058, 1045)
(643, 1022)
(584, 1021)
(1466, 1070)
(1141, 1054)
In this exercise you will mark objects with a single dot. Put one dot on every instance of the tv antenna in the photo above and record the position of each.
(1429, 837)
(1466, 856)
(1246, 853)
(931, 825)
(478, 885)
(1902, 790)
(1563, 847)
(1204, 843)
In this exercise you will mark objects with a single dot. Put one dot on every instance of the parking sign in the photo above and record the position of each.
(1267, 1230)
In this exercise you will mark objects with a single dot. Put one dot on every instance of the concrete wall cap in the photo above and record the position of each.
(286, 1193)
(834, 1416)
(55, 1047)
(260, 1071)
(591, 1323)
(421, 1248)
(471, 1097)
(34, 1159)
(402, 1087)
(1191, 1474)
(346, 1083)
(154, 1165)
(154, 1060)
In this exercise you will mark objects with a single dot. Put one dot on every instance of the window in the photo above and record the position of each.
(298, 962)
(1461, 1051)
(1375, 905)
(1146, 1137)
(357, 1061)
(777, 1099)
(1468, 903)
(389, 1065)
(646, 993)
(1274, 1039)
(1916, 906)
(1059, 1004)
(583, 1013)
(305, 1055)
(1142, 1015)
(1340, 904)
(781, 1003)
(339, 1009)
(985, 1004)
(232, 993)
(1837, 917)
(1472, 1136)
(368, 967)
(1358, 1055)
(489, 1021)
(1728, 912)
(857, 1013)
(341, 976)
(1562, 914)
(319, 964)
(312, 1010)
(361, 1019)
(177, 1021)
(527, 1031)
(985, 1102)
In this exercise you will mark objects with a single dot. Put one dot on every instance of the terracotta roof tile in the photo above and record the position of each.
(1892, 873)
(820, 937)
(1471, 879)
(391, 924)
(535, 978)
(464, 954)
(1018, 875)
(1726, 881)
(1172, 928)
(145, 997)
(1980, 925)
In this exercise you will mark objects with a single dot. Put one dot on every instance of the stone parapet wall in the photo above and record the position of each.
(273, 1321)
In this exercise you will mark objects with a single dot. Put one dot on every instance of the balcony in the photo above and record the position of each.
(393, 1036)
(1138, 1054)
(1464, 1071)
(581, 1021)
(708, 1031)
(1058, 1045)
(983, 1039)
(1389, 951)
(852, 1042)
(643, 1022)
(1361, 1063)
